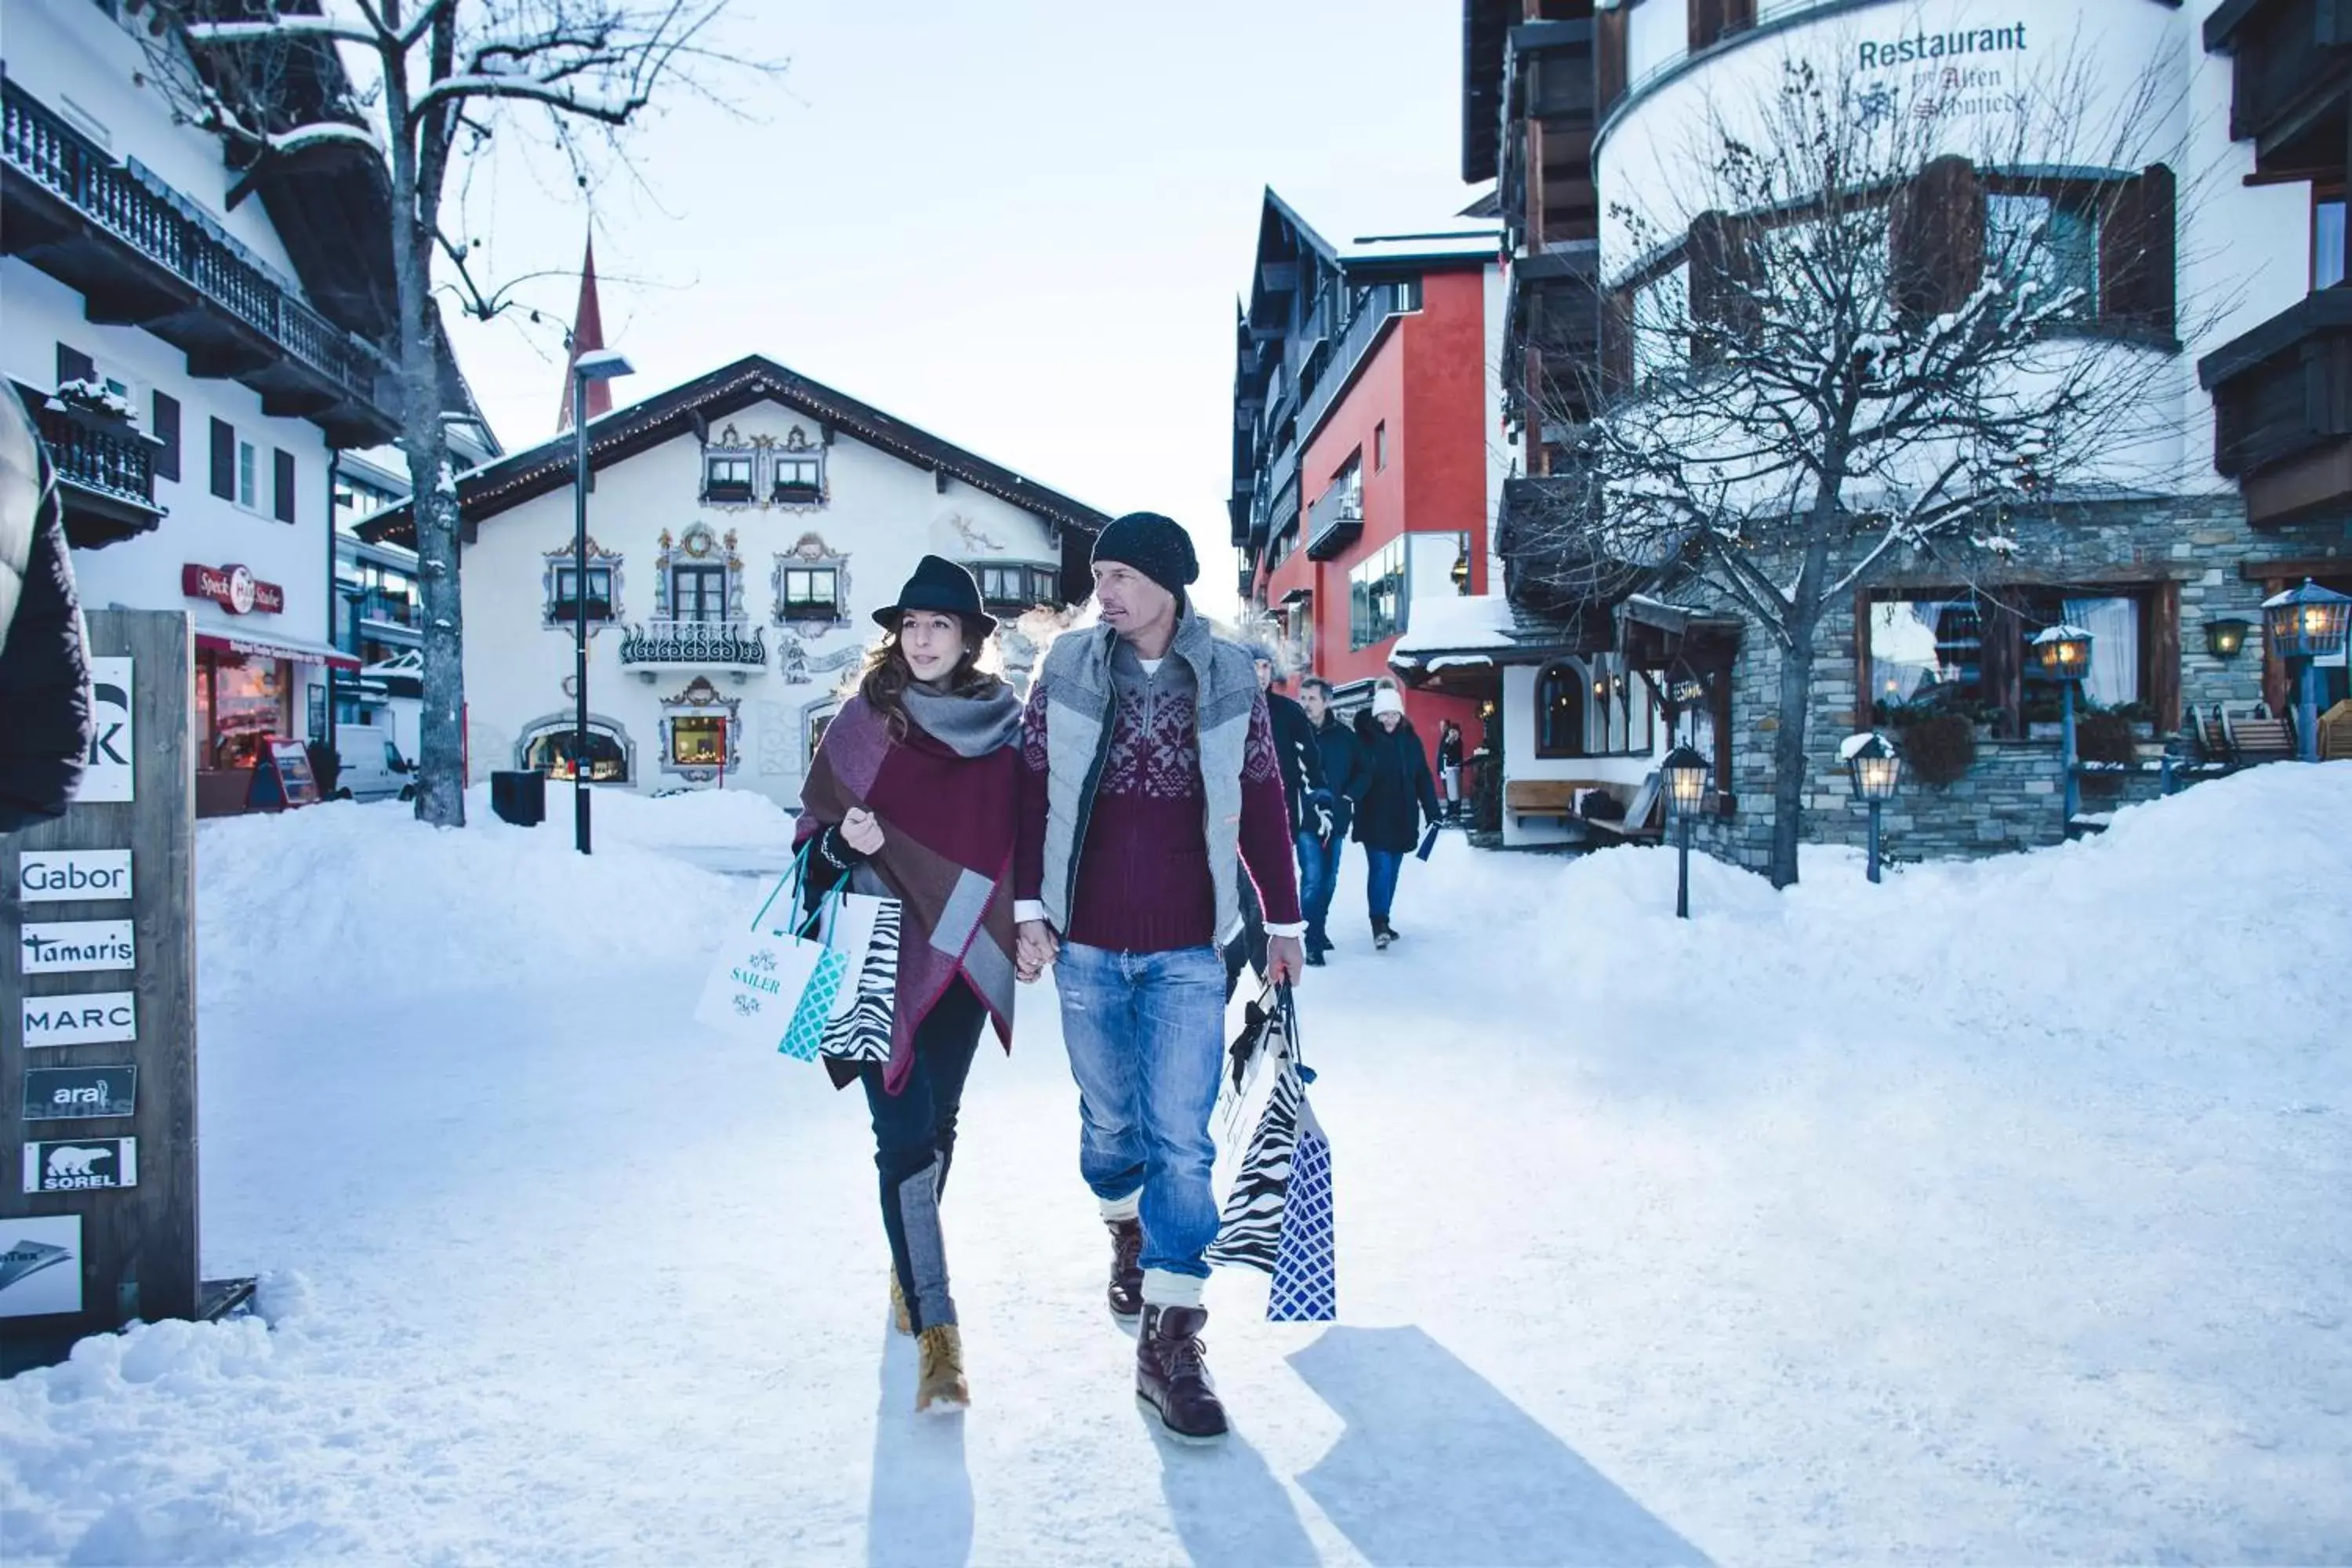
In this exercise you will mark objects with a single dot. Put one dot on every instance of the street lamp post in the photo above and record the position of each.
(597, 365)
(1875, 768)
(2306, 624)
(1686, 773)
(2066, 654)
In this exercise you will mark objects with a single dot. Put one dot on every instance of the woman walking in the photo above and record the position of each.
(913, 795)
(1399, 797)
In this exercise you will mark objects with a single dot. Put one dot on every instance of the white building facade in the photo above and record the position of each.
(742, 532)
(190, 388)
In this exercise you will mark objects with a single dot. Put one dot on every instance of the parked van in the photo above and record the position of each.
(373, 767)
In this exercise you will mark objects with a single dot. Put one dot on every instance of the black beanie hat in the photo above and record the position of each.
(1154, 545)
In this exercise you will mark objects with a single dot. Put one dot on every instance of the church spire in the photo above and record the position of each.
(587, 333)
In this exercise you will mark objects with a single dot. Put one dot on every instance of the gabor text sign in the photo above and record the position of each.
(94, 1018)
(72, 947)
(65, 875)
(106, 772)
(81, 1165)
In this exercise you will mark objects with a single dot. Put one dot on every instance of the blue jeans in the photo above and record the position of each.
(1318, 875)
(1381, 869)
(1146, 1037)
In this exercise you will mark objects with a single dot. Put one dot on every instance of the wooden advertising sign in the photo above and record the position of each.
(282, 777)
(98, 1038)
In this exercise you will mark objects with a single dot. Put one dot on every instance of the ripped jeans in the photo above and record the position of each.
(1146, 1037)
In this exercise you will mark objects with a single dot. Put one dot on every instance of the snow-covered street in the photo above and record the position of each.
(1997, 1214)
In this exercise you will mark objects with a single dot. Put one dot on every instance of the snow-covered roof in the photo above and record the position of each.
(1467, 241)
(1456, 624)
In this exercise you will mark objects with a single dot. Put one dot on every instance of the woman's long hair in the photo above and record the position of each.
(883, 681)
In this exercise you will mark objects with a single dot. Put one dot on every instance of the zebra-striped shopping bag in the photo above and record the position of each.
(1278, 1216)
(859, 1029)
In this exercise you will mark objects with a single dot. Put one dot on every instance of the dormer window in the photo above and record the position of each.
(798, 476)
(726, 479)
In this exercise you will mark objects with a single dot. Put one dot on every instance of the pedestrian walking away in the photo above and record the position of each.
(1151, 791)
(1331, 812)
(1449, 767)
(1302, 782)
(1399, 796)
(915, 795)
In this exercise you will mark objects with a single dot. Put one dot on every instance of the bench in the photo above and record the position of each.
(1635, 827)
(2252, 740)
(1545, 799)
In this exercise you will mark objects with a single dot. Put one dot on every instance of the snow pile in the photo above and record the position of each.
(361, 900)
(1454, 622)
(1994, 1214)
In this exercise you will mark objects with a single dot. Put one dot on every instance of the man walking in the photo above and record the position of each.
(1151, 779)
(1325, 834)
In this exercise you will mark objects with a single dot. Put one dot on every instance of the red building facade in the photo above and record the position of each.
(1363, 471)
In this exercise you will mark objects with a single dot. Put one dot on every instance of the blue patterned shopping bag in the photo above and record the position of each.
(817, 998)
(1305, 1263)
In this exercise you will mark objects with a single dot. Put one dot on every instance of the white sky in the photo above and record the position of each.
(1021, 226)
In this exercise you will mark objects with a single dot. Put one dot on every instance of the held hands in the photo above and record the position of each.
(861, 831)
(1034, 948)
(1286, 959)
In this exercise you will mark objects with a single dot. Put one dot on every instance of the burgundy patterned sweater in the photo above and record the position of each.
(1143, 882)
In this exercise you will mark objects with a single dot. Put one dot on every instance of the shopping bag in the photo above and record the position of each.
(1428, 842)
(859, 1027)
(764, 970)
(1305, 1276)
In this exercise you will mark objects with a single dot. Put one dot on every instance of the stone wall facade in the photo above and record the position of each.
(2012, 797)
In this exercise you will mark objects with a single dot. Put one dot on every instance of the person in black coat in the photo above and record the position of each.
(1449, 767)
(1302, 783)
(1346, 776)
(1398, 798)
(44, 664)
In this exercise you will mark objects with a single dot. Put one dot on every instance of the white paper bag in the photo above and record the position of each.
(761, 970)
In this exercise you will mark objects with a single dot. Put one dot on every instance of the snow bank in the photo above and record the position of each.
(365, 900)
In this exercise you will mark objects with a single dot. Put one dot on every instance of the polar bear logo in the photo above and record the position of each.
(76, 1161)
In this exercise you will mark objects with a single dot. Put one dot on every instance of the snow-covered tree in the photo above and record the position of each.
(433, 84)
(1845, 339)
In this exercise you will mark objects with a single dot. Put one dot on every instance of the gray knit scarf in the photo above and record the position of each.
(968, 726)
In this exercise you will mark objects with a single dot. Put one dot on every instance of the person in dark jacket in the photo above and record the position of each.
(1302, 781)
(1399, 797)
(915, 795)
(44, 660)
(1321, 839)
(1449, 768)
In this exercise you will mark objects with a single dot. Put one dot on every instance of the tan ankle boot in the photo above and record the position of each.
(898, 1319)
(938, 1383)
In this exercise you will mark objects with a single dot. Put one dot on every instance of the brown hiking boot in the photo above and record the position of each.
(1126, 1267)
(1172, 1374)
(938, 1381)
(899, 1317)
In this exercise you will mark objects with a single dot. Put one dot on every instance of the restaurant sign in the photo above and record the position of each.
(234, 588)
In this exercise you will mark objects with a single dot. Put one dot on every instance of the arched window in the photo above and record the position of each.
(1559, 710)
(549, 747)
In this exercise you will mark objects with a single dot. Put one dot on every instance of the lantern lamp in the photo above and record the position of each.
(2064, 652)
(1685, 772)
(1875, 767)
(2225, 636)
(2308, 624)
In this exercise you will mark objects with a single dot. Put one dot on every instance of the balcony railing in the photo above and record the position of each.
(727, 645)
(105, 470)
(390, 610)
(128, 201)
(1334, 521)
(1355, 339)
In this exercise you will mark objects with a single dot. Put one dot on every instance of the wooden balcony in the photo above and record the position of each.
(2283, 409)
(105, 470)
(143, 255)
(2291, 65)
(1551, 110)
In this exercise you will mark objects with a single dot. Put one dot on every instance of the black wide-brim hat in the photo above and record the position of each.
(939, 585)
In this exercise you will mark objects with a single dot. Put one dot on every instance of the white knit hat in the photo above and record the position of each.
(1388, 699)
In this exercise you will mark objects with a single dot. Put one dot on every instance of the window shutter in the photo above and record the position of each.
(1706, 23)
(285, 485)
(2138, 255)
(1935, 238)
(1610, 60)
(75, 365)
(166, 429)
(224, 459)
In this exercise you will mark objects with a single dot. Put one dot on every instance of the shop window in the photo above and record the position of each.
(818, 723)
(811, 593)
(1960, 651)
(552, 750)
(698, 741)
(727, 478)
(245, 700)
(1376, 597)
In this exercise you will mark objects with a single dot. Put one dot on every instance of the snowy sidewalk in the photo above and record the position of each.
(1993, 1215)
